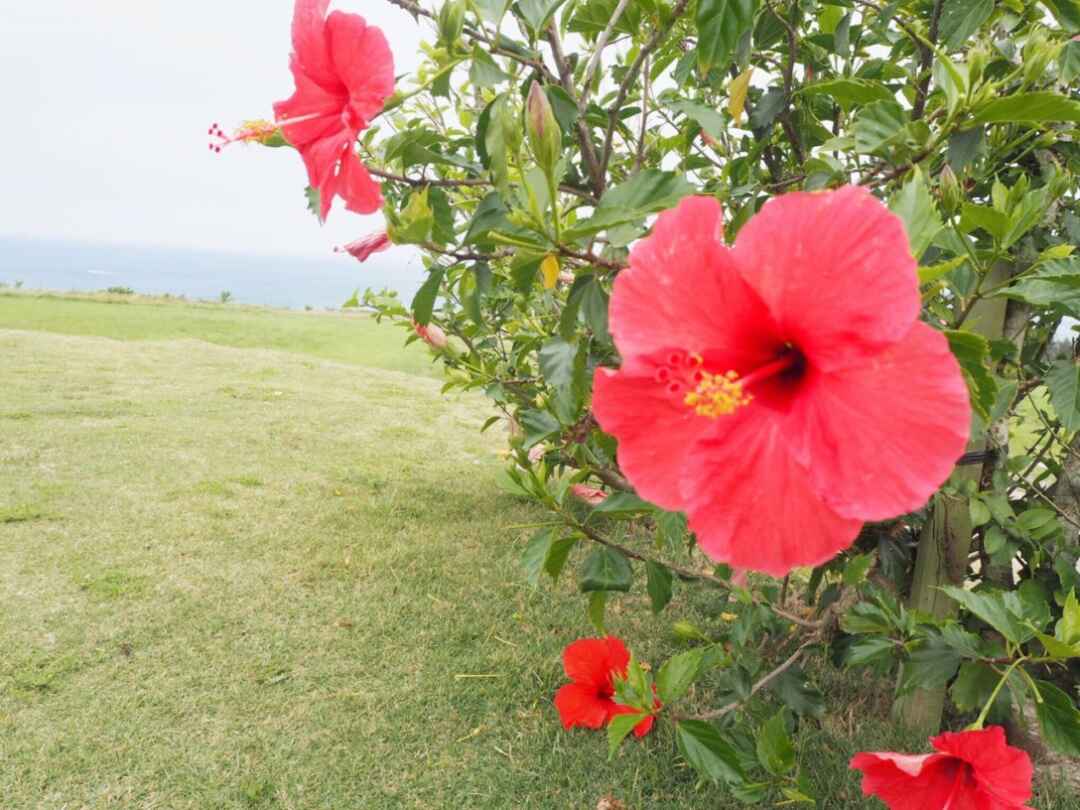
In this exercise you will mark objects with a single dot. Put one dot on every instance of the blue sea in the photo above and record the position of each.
(265, 280)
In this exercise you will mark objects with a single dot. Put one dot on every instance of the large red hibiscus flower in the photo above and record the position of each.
(782, 391)
(344, 73)
(973, 770)
(587, 701)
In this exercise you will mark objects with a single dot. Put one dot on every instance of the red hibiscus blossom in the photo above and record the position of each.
(591, 664)
(782, 391)
(362, 248)
(344, 73)
(974, 770)
(432, 335)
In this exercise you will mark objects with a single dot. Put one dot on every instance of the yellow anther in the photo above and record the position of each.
(717, 395)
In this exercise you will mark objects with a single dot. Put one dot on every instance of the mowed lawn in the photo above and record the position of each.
(234, 576)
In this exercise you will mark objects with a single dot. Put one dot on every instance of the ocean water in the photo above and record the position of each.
(266, 280)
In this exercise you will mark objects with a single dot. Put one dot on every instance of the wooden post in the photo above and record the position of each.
(945, 542)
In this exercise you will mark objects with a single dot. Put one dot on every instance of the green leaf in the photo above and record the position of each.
(536, 553)
(313, 197)
(678, 673)
(659, 585)
(1069, 62)
(557, 363)
(1067, 629)
(622, 504)
(490, 215)
(964, 147)
(866, 617)
(973, 353)
(536, 13)
(708, 752)
(1029, 107)
(1056, 285)
(497, 141)
(1001, 610)
(606, 570)
(485, 71)
(618, 727)
(993, 222)
(538, 425)
(849, 93)
(960, 19)
(557, 555)
(1057, 649)
(869, 651)
(930, 666)
(595, 610)
(914, 204)
(878, 125)
(1063, 381)
(1059, 720)
(707, 118)
(720, 24)
(423, 302)
(775, 751)
(798, 694)
(973, 686)
(645, 193)
(855, 569)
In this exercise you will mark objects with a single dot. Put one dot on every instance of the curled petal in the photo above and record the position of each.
(363, 61)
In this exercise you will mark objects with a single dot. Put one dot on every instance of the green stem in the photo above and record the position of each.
(978, 724)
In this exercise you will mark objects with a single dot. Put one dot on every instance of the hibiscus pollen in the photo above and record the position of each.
(249, 132)
(717, 394)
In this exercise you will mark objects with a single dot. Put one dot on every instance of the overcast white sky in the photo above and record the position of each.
(107, 103)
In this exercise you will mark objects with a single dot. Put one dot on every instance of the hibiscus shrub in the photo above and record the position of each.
(754, 286)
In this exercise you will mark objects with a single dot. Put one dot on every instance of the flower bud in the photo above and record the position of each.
(951, 194)
(590, 495)
(1038, 53)
(977, 60)
(451, 21)
(432, 335)
(687, 632)
(545, 137)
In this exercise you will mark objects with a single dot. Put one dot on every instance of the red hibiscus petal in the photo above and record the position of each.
(578, 705)
(362, 195)
(683, 291)
(591, 662)
(752, 506)
(880, 437)
(310, 42)
(362, 60)
(835, 271)
(905, 782)
(310, 98)
(639, 409)
(1002, 771)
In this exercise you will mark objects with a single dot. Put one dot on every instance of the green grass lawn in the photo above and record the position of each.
(263, 577)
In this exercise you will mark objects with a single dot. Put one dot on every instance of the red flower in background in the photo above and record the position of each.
(592, 664)
(362, 248)
(590, 495)
(432, 335)
(780, 392)
(973, 770)
(344, 73)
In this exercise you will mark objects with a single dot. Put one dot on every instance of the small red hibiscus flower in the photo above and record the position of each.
(344, 73)
(781, 392)
(973, 770)
(362, 249)
(587, 701)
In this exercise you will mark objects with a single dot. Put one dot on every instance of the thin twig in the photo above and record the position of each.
(418, 182)
(640, 159)
(761, 684)
(925, 60)
(631, 76)
(566, 76)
